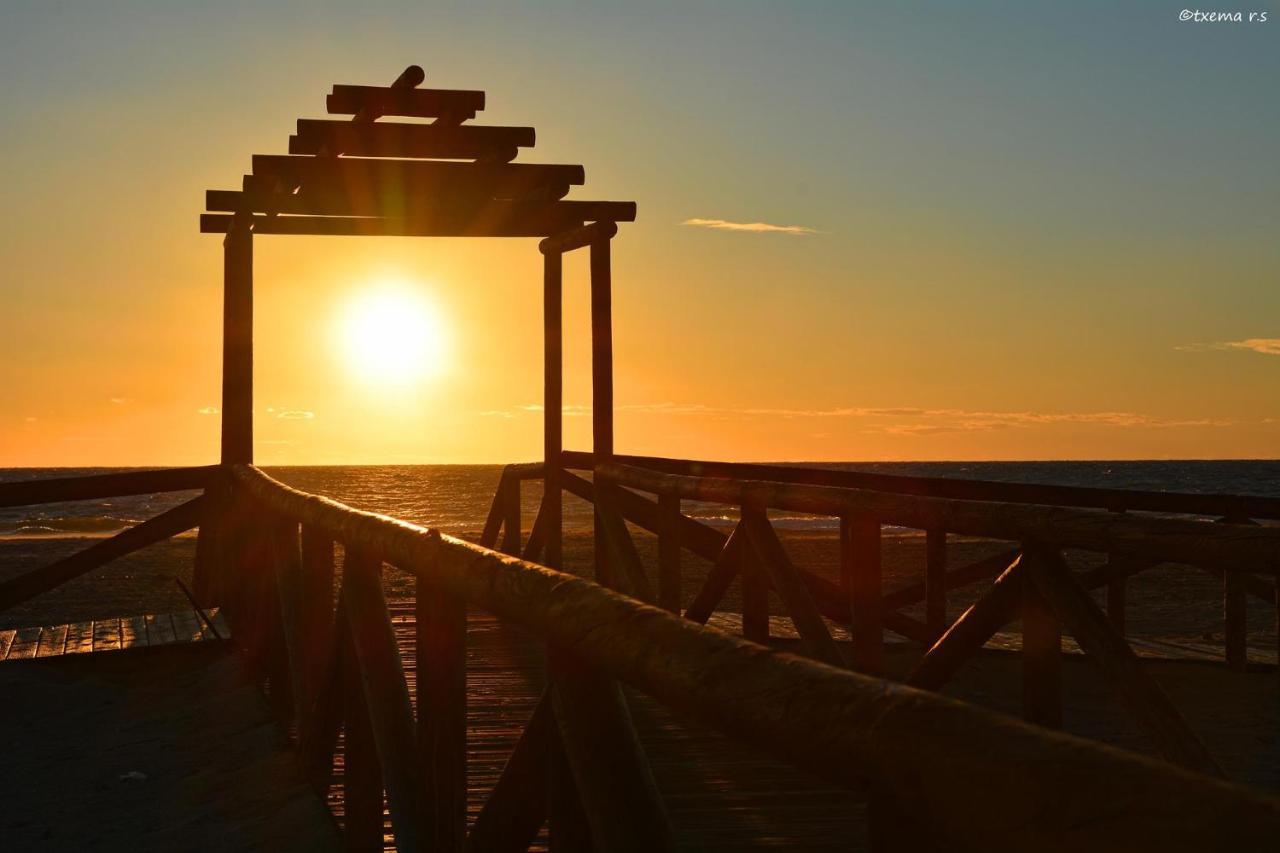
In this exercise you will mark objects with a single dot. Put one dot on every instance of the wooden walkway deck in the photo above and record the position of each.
(114, 634)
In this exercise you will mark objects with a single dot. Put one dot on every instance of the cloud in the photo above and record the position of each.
(208, 410)
(118, 401)
(1266, 346)
(294, 415)
(752, 227)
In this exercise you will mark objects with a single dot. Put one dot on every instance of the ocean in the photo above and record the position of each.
(456, 498)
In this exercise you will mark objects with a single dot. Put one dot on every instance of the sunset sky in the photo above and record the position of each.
(1001, 231)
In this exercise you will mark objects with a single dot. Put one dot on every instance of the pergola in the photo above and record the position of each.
(442, 178)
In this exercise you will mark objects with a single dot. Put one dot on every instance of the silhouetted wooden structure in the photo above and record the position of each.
(374, 697)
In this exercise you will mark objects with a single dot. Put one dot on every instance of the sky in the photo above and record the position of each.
(889, 231)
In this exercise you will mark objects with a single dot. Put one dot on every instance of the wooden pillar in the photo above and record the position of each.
(935, 582)
(601, 379)
(552, 408)
(237, 345)
(442, 717)
(860, 573)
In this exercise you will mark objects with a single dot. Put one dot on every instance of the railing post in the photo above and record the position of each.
(442, 717)
(552, 409)
(1041, 654)
(755, 595)
(935, 582)
(1235, 610)
(860, 574)
(669, 575)
(237, 344)
(511, 516)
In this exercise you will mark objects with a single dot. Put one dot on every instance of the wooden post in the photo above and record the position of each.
(755, 592)
(237, 344)
(1041, 656)
(601, 376)
(935, 582)
(442, 717)
(552, 409)
(361, 772)
(669, 553)
(511, 516)
(860, 574)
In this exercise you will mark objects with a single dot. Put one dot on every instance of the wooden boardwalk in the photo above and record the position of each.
(117, 633)
(170, 748)
(723, 796)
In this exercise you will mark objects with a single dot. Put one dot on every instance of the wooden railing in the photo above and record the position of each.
(170, 523)
(978, 779)
(1122, 506)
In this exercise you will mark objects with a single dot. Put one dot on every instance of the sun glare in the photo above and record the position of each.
(391, 334)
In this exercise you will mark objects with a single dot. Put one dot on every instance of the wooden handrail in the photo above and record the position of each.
(986, 780)
(1229, 546)
(1218, 505)
(93, 486)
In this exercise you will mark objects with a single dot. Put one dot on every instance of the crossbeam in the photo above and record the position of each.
(383, 139)
(417, 103)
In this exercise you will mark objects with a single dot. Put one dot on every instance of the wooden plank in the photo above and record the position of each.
(860, 571)
(106, 632)
(381, 677)
(426, 213)
(237, 345)
(443, 224)
(439, 178)
(726, 568)
(79, 638)
(218, 617)
(593, 234)
(935, 581)
(169, 523)
(669, 573)
(6, 640)
(392, 139)
(53, 640)
(57, 489)
(1173, 738)
(516, 808)
(786, 582)
(996, 608)
(610, 771)
(133, 632)
(159, 630)
(26, 642)
(1041, 656)
(413, 103)
(441, 644)
(186, 627)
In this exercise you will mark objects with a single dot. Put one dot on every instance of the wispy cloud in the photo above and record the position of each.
(1266, 346)
(117, 401)
(751, 227)
(295, 415)
(208, 410)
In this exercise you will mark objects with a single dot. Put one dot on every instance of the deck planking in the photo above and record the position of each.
(111, 634)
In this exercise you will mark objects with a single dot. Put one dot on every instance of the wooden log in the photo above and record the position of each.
(442, 717)
(169, 523)
(441, 178)
(669, 574)
(996, 608)
(860, 573)
(582, 236)
(90, 487)
(478, 216)
(388, 139)
(385, 692)
(1120, 667)
(1235, 506)
(718, 579)
(511, 517)
(935, 581)
(1234, 547)
(786, 582)
(437, 223)
(362, 774)
(1041, 656)
(553, 406)
(610, 771)
(415, 103)
(237, 344)
(510, 818)
(992, 782)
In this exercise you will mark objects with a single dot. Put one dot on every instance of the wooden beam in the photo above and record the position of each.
(361, 771)
(386, 695)
(553, 406)
(414, 103)
(442, 717)
(629, 573)
(1041, 655)
(935, 581)
(511, 522)
(1121, 668)
(790, 588)
(353, 176)
(997, 607)
(57, 489)
(384, 139)
(169, 523)
(860, 572)
(719, 578)
(585, 235)
(753, 584)
(345, 226)
(237, 344)
(478, 215)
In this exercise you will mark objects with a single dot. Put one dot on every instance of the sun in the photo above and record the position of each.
(391, 334)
